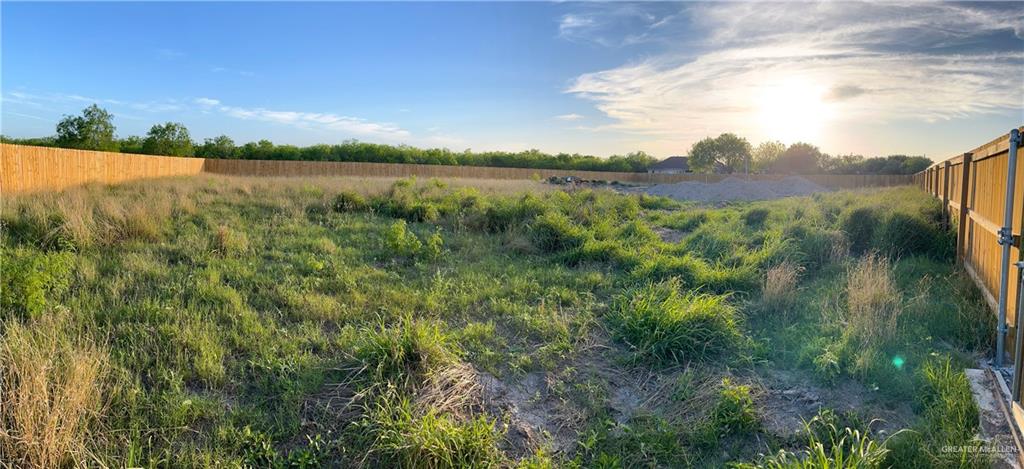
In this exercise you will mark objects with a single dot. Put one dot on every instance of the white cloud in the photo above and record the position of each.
(244, 73)
(207, 102)
(569, 117)
(880, 62)
(36, 99)
(311, 120)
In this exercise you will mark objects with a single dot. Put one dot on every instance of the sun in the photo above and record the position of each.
(793, 110)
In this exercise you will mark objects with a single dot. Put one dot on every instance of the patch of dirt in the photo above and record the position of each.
(535, 418)
(788, 398)
(735, 188)
(669, 235)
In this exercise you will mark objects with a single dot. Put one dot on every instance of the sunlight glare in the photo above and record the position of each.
(793, 110)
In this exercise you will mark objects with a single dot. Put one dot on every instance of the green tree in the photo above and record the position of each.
(131, 144)
(171, 139)
(799, 158)
(217, 147)
(728, 150)
(703, 155)
(765, 154)
(93, 130)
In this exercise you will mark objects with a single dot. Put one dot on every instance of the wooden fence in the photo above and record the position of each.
(972, 187)
(29, 169)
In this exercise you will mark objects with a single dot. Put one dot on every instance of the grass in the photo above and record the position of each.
(660, 323)
(52, 392)
(873, 303)
(422, 323)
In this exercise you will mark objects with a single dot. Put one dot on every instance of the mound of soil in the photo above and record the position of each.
(733, 188)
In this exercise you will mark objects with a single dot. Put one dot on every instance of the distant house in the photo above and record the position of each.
(671, 165)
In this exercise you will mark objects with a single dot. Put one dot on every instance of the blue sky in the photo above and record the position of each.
(920, 78)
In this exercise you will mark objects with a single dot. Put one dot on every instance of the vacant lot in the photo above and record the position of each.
(215, 321)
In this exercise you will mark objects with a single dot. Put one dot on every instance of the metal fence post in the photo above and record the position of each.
(961, 233)
(1005, 240)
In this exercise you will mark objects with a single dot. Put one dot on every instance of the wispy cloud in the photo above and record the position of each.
(244, 73)
(38, 100)
(309, 120)
(618, 24)
(569, 117)
(917, 61)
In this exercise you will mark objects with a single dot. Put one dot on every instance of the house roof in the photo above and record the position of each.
(672, 162)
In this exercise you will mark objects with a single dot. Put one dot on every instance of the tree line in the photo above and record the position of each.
(94, 130)
(731, 153)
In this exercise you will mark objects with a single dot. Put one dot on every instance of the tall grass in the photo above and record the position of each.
(50, 393)
(779, 291)
(873, 300)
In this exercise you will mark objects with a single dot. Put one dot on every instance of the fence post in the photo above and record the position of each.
(945, 196)
(961, 232)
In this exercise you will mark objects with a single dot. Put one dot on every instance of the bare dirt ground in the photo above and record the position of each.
(735, 188)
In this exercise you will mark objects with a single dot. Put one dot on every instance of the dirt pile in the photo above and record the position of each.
(734, 188)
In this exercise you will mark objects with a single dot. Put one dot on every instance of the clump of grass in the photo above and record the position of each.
(949, 405)
(661, 324)
(779, 291)
(555, 232)
(829, 446)
(52, 392)
(905, 234)
(684, 220)
(403, 353)
(508, 213)
(405, 438)
(228, 242)
(349, 201)
(859, 225)
(817, 247)
(756, 217)
(140, 222)
(873, 300)
(656, 202)
(950, 420)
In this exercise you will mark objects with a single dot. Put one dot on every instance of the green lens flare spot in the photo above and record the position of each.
(898, 362)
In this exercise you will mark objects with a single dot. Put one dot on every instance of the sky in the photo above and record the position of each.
(874, 79)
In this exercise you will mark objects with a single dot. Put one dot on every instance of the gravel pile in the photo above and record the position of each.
(733, 188)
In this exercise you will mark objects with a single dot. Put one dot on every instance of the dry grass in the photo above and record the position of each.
(872, 299)
(90, 215)
(228, 242)
(779, 291)
(49, 394)
(453, 390)
(254, 185)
